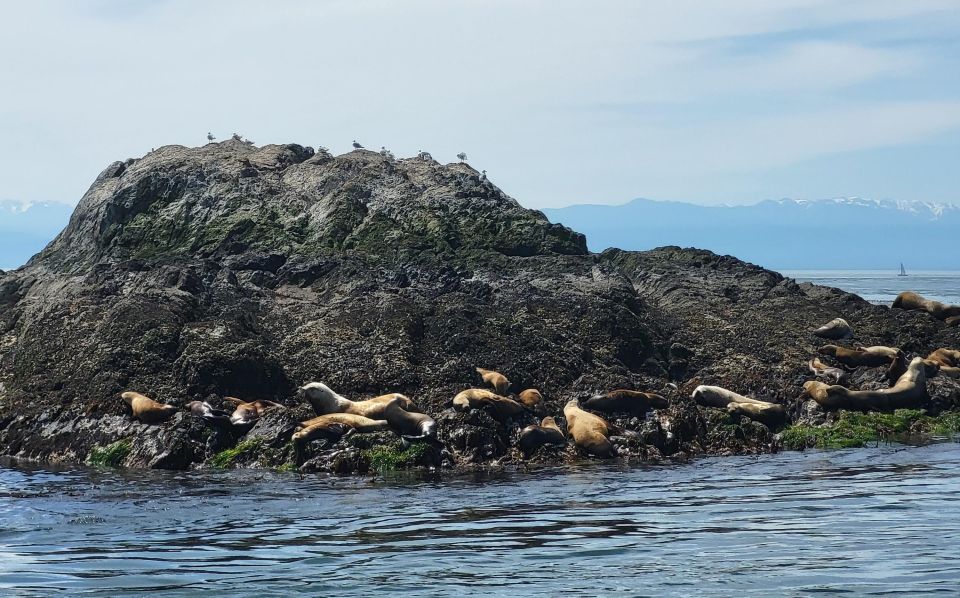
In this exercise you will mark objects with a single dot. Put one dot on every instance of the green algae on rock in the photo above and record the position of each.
(854, 429)
(111, 455)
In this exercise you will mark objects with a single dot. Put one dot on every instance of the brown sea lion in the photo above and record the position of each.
(534, 436)
(589, 432)
(622, 400)
(531, 399)
(248, 412)
(910, 390)
(822, 370)
(359, 423)
(952, 321)
(765, 412)
(146, 410)
(324, 401)
(835, 329)
(412, 426)
(207, 412)
(497, 380)
(912, 301)
(854, 358)
(480, 398)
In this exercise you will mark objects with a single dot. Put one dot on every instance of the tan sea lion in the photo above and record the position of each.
(531, 399)
(412, 426)
(822, 370)
(324, 401)
(854, 357)
(909, 390)
(248, 412)
(835, 329)
(497, 380)
(207, 412)
(948, 360)
(890, 353)
(330, 430)
(359, 423)
(622, 400)
(589, 432)
(480, 398)
(912, 301)
(765, 412)
(947, 357)
(146, 409)
(534, 436)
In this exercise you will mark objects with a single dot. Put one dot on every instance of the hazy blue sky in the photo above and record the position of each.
(561, 102)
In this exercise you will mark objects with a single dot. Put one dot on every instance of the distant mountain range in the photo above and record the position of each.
(846, 233)
(26, 228)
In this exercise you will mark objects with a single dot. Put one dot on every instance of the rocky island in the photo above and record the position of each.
(229, 270)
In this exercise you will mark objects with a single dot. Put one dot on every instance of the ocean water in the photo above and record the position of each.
(882, 286)
(879, 520)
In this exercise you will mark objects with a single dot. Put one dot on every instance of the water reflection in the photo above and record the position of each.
(874, 520)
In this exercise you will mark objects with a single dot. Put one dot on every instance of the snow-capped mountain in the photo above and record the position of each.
(26, 228)
(845, 233)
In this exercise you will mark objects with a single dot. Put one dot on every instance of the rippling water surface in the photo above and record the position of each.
(882, 286)
(873, 520)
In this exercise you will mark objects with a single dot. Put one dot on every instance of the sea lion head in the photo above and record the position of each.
(828, 350)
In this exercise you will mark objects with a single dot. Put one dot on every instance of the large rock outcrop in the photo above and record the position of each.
(197, 273)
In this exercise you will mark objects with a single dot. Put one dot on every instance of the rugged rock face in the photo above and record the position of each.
(231, 270)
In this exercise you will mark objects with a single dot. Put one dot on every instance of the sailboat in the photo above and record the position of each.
(903, 271)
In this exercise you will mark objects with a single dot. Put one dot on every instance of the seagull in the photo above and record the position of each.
(210, 136)
(356, 145)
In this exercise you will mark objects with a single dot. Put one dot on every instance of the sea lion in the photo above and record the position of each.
(146, 409)
(854, 358)
(411, 426)
(890, 353)
(324, 401)
(248, 412)
(622, 400)
(912, 301)
(330, 430)
(480, 398)
(589, 432)
(769, 415)
(948, 360)
(822, 370)
(909, 390)
(359, 423)
(208, 413)
(952, 321)
(531, 399)
(947, 357)
(765, 412)
(497, 380)
(835, 329)
(898, 367)
(534, 436)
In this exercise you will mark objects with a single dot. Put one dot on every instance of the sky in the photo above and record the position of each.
(562, 102)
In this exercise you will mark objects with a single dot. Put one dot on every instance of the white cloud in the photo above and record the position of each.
(533, 91)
